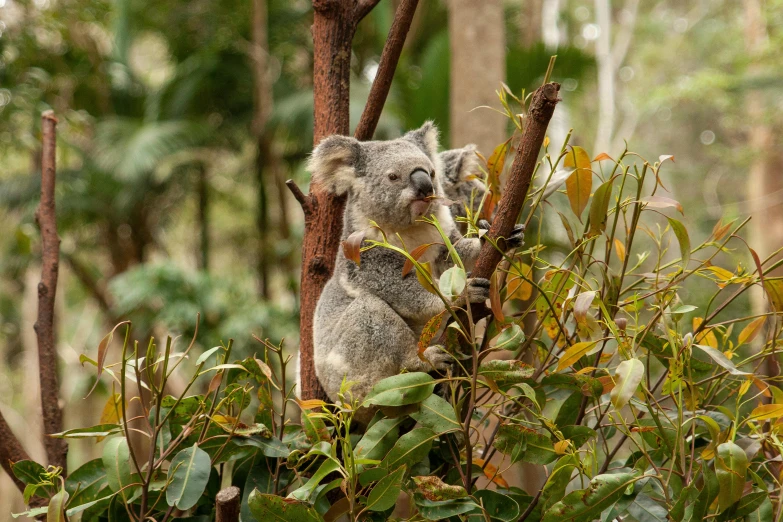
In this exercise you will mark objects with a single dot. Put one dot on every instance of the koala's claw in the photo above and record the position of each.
(483, 224)
(517, 237)
(438, 357)
(476, 291)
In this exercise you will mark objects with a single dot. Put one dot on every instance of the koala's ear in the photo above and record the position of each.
(426, 138)
(458, 164)
(334, 162)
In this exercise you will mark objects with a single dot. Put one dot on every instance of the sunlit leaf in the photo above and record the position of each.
(751, 331)
(574, 353)
(579, 185)
(628, 376)
(766, 412)
(662, 202)
(619, 248)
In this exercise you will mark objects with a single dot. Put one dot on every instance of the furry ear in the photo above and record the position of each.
(426, 138)
(458, 164)
(334, 161)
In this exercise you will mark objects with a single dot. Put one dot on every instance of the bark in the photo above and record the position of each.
(11, 451)
(478, 65)
(765, 181)
(334, 24)
(227, 505)
(542, 106)
(606, 77)
(56, 449)
(262, 100)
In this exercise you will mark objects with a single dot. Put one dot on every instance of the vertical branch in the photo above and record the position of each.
(542, 106)
(334, 24)
(56, 449)
(203, 215)
(388, 64)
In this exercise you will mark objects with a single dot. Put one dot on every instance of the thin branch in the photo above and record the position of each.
(301, 197)
(388, 64)
(363, 8)
(56, 449)
(95, 289)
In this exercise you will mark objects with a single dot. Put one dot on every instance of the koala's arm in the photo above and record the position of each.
(380, 273)
(467, 248)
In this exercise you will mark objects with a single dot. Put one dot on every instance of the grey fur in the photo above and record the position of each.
(369, 318)
(460, 184)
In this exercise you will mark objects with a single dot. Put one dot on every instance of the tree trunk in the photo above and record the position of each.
(530, 22)
(606, 73)
(203, 216)
(765, 180)
(478, 65)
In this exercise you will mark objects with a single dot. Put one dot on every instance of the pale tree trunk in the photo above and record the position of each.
(478, 65)
(765, 184)
(606, 77)
(530, 22)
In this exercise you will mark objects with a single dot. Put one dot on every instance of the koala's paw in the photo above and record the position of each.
(483, 224)
(517, 237)
(476, 291)
(438, 357)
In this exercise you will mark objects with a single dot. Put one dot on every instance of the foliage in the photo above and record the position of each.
(594, 365)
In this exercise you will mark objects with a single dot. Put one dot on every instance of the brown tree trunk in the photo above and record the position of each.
(203, 215)
(334, 24)
(56, 449)
(478, 65)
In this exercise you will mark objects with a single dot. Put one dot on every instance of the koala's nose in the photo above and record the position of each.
(422, 184)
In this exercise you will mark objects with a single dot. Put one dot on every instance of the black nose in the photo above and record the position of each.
(422, 184)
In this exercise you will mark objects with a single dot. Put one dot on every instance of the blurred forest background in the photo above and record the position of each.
(180, 121)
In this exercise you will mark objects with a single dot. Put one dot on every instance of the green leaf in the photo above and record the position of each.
(452, 282)
(745, 506)
(682, 237)
(56, 511)
(437, 414)
(314, 427)
(84, 485)
(188, 475)
(116, 462)
(555, 487)
(587, 504)
(762, 514)
(629, 374)
(589, 386)
(269, 447)
(204, 356)
(32, 513)
(304, 492)
(524, 444)
(645, 508)
(399, 390)
(720, 359)
(440, 510)
(578, 434)
(506, 373)
(731, 466)
(378, 439)
(273, 508)
(259, 478)
(101, 430)
(511, 338)
(28, 471)
(384, 494)
(410, 448)
(599, 208)
(569, 410)
(497, 506)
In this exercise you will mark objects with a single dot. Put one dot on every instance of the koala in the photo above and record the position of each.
(460, 166)
(369, 317)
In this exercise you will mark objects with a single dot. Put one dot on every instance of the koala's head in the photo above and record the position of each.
(460, 184)
(389, 182)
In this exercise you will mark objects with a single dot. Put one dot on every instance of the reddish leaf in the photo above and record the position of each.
(603, 156)
(720, 229)
(429, 331)
(103, 348)
(665, 157)
(214, 384)
(494, 298)
(662, 202)
(352, 247)
(416, 253)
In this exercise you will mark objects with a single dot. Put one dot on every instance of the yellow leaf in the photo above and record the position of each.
(766, 412)
(517, 286)
(112, 412)
(762, 386)
(579, 185)
(744, 387)
(491, 472)
(706, 336)
(562, 446)
(751, 331)
(310, 404)
(574, 353)
(423, 280)
(620, 249)
(546, 141)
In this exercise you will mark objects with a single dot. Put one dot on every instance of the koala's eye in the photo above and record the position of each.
(393, 177)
